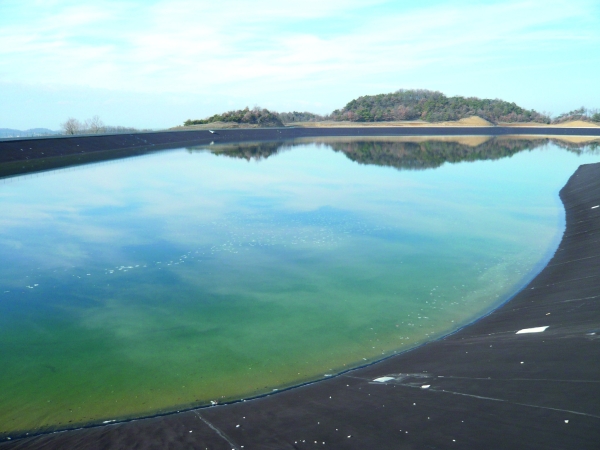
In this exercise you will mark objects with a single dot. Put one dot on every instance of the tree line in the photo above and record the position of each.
(405, 104)
(258, 116)
(588, 115)
(254, 116)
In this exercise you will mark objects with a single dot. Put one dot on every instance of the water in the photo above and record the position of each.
(171, 280)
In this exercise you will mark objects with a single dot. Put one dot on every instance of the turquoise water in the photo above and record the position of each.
(171, 280)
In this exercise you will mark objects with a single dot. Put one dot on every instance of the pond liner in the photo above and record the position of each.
(484, 386)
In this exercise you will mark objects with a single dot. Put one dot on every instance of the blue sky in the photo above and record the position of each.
(156, 63)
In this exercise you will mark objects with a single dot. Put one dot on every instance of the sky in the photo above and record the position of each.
(155, 63)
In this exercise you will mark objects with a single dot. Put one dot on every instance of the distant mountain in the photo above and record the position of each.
(10, 132)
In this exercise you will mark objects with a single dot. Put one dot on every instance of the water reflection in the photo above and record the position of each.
(409, 153)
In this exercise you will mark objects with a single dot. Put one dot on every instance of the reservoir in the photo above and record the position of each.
(217, 273)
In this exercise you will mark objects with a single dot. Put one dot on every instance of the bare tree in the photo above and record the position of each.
(71, 126)
(94, 125)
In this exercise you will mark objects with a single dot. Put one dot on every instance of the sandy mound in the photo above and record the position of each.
(522, 124)
(473, 121)
(571, 124)
(577, 124)
(566, 139)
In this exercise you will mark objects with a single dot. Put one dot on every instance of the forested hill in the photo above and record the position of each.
(255, 116)
(404, 104)
(432, 106)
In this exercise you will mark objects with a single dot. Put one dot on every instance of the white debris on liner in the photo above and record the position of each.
(597, 206)
(532, 330)
(383, 379)
(426, 386)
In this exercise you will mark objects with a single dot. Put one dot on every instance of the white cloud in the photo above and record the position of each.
(282, 49)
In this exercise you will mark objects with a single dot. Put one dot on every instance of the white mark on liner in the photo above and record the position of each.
(532, 330)
(597, 206)
(383, 379)
(426, 386)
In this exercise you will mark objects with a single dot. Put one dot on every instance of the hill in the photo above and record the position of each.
(432, 106)
(581, 115)
(405, 107)
(255, 116)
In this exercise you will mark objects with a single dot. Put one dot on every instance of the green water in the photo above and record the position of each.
(162, 282)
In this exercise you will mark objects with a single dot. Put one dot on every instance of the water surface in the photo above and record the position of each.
(171, 280)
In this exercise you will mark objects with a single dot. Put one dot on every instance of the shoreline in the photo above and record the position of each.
(515, 385)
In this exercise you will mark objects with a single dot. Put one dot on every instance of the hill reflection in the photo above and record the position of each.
(412, 153)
